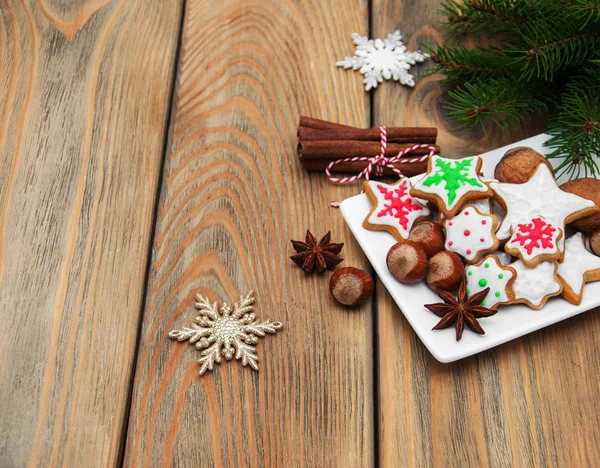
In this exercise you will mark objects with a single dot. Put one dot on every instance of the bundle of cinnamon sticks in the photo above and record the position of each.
(320, 142)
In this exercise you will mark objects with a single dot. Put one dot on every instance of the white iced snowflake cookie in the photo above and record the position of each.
(452, 183)
(534, 286)
(490, 273)
(535, 241)
(578, 267)
(483, 206)
(471, 234)
(539, 196)
(393, 209)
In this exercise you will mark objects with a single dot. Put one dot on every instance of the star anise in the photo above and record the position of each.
(461, 311)
(312, 255)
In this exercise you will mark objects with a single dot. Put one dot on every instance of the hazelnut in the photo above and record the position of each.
(446, 269)
(430, 236)
(407, 261)
(519, 164)
(586, 188)
(595, 242)
(351, 286)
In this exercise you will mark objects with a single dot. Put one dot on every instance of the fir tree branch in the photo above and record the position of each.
(459, 63)
(499, 100)
(582, 5)
(492, 15)
(536, 50)
(575, 131)
(494, 12)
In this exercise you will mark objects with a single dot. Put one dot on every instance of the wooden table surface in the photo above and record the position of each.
(147, 153)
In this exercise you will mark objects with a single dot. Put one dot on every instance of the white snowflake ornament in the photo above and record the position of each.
(379, 59)
(226, 331)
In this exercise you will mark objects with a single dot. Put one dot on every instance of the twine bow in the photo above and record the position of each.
(380, 161)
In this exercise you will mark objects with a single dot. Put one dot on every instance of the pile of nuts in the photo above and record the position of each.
(422, 257)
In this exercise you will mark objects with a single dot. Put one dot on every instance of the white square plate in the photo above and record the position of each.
(509, 323)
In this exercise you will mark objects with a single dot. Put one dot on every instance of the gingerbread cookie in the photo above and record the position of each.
(490, 273)
(471, 234)
(393, 208)
(579, 267)
(452, 183)
(534, 286)
(539, 196)
(535, 241)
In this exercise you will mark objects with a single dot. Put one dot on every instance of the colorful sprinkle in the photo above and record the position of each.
(481, 239)
(467, 232)
(450, 243)
(470, 273)
(483, 282)
(500, 276)
(468, 251)
(484, 222)
(497, 294)
(487, 265)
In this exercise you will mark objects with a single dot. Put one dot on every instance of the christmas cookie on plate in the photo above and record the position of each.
(539, 196)
(471, 234)
(535, 241)
(579, 267)
(393, 208)
(451, 183)
(534, 286)
(490, 273)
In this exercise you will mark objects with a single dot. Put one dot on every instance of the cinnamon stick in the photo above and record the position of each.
(394, 135)
(309, 150)
(408, 170)
(316, 129)
(311, 122)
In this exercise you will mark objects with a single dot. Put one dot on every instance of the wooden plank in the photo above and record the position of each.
(233, 195)
(532, 402)
(84, 102)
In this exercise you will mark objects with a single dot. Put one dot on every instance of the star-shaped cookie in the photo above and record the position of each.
(451, 183)
(393, 208)
(534, 286)
(539, 196)
(490, 273)
(535, 241)
(578, 267)
(471, 234)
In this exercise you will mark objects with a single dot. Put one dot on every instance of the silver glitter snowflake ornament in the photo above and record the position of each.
(379, 59)
(226, 331)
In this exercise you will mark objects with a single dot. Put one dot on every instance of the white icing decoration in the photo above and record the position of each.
(540, 196)
(578, 261)
(537, 249)
(491, 274)
(535, 284)
(440, 189)
(389, 219)
(470, 233)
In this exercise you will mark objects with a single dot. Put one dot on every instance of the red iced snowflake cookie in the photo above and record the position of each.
(535, 241)
(471, 234)
(393, 208)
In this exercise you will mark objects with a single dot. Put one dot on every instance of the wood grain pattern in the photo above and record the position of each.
(81, 138)
(527, 403)
(233, 195)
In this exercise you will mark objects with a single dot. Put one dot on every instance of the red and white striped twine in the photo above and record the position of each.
(380, 161)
